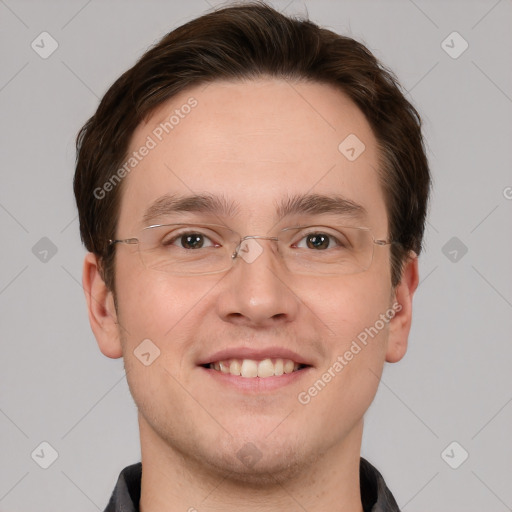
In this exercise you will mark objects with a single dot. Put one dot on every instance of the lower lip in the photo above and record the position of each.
(256, 384)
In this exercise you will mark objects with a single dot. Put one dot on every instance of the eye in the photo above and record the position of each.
(321, 240)
(188, 240)
(318, 241)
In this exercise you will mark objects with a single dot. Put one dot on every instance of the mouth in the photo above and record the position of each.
(256, 368)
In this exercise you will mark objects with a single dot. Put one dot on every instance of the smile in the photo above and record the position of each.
(251, 368)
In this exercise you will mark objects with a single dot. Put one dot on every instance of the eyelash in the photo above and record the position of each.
(179, 236)
(331, 237)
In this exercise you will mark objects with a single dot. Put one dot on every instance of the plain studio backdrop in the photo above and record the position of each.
(439, 429)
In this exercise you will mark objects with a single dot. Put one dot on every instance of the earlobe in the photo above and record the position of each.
(400, 324)
(101, 309)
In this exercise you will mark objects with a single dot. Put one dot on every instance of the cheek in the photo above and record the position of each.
(165, 310)
(345, 385)
(357, 330)
(156, 305)
(348, 305)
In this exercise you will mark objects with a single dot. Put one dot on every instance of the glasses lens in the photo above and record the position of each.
(191, 249)
(187, 249)
(327, 250)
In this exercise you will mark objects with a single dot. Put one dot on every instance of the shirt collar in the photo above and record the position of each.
(375, 495)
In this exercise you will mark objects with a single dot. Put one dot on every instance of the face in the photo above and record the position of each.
(257, 145)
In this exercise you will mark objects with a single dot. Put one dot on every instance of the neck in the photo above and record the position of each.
(171, 481)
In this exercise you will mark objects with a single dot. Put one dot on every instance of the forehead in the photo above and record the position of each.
(253, 143)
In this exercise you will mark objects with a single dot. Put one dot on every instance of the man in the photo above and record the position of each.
(253, 195)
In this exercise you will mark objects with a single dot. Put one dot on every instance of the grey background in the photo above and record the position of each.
(455, 383)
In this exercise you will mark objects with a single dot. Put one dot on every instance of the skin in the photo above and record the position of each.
(253, 142)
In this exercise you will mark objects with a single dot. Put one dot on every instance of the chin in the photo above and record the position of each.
(255, 467)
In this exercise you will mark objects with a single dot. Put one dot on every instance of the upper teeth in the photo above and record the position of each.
(250, 368)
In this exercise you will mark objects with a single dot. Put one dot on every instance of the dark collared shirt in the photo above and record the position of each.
(375, 495)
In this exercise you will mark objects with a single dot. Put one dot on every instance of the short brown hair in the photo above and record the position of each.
(243, 42)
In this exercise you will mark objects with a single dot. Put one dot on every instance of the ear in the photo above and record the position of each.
(101, 308)
(400, 324)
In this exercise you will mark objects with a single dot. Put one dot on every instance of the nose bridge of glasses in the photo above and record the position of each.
(258, 237)
(251, 251)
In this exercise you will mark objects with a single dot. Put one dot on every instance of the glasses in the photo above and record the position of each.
(199, 249)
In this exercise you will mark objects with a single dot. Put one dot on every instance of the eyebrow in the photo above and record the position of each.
(196, 203)
(318, 204)
(312, 204)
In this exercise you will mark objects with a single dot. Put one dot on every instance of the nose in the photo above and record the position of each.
(257, 290)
